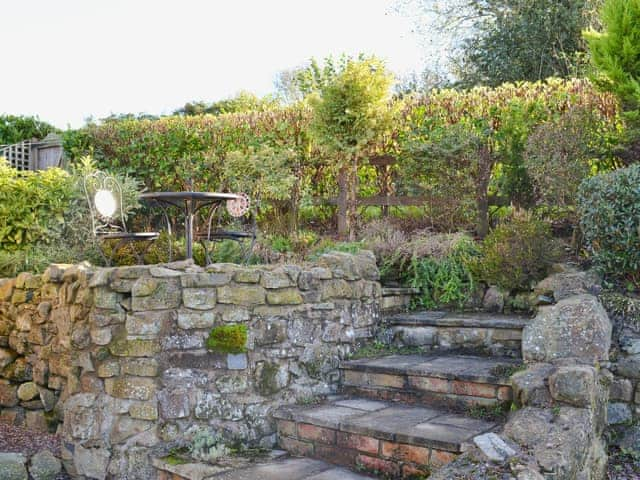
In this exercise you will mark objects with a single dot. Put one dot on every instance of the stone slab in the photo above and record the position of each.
(386, 423)
(452, 367)
(327, 416)
(288, 469)
(362, 404)
(462, 320)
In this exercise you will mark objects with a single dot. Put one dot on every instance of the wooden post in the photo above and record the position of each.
(343, 222)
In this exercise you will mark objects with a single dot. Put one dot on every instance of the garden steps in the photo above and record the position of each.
(389, 438)
(446, 380)
(481, 332)
(283, 468)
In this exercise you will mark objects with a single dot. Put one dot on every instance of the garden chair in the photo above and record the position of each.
(233, 222)
(107, 209)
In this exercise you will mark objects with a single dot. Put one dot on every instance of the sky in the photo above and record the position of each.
(67, 60)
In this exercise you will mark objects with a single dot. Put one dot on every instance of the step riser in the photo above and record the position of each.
(425, 391)
(497, 341)
(359, 451)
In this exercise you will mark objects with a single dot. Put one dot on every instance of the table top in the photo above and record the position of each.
(189, 196)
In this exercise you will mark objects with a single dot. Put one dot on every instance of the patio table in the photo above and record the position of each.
(191, 203)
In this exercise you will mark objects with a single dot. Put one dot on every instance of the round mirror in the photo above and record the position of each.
(105, 203)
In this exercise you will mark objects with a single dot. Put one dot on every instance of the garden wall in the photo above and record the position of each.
(125, 350)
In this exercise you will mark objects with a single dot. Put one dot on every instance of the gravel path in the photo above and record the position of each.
(20, 440)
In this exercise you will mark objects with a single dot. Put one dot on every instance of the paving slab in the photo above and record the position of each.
(461, 320)
(328, 416)
(362, 404)
(290, 469)
(386, 423)
(470, 368)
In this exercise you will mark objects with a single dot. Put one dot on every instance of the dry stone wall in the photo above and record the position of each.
(121, 352)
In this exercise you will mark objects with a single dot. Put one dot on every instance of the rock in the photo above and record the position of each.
(493, 300)
(199, 280)
(174, 404)
(529, 474)
(286, 296)
(44, 466)
(618, 413)
(8, 394)
(575, 385)
(91, 462)
(415, 336)
(28, 391)
(236, 361)
(530, 385)
(276, 279)
(575, 327)
(629, 366)
(12, 466)
(567, 284)
(48, 399)
(201, 319)
(246, 295)
(494, 447)
(199, 298)
(6, 357)
(134, 388)
(631, 438)
(155, 294)
(621, 390)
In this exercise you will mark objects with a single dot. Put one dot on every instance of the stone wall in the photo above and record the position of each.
(125, 349)
(41, 320)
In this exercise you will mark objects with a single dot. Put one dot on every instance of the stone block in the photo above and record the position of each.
(247, 276)
(530, 386)
(36, 421)
(144, 411)
(155, 294)
(106, 298)
(174, 404)
(133, 388)
(204, 280)
(286, 296)
(121, 347)
(109, 369)
(619, 413)
(199, 298)
(188, 320)
(6, 288)
(8, 394)
(629, 366)
(6, 357)
(276, 279)
(575, 385)
(337, 288)
(100, 336)
(621, 390)
(44, 466)
(28, 391)
(148, 324)
(91, 462)
(245, 295)
(140, 367)
(236, 361)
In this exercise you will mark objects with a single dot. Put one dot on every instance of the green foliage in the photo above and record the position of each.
(33, 205)
(228, 339)
(609, 209)
(14, 129)
(616, 54)
(446, 281)
(281, 244)
(379, 349)
(515, 40)
(516, 254)
(243, 102)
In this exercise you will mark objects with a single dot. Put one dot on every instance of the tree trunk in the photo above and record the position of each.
(343, 206)
(485, 166)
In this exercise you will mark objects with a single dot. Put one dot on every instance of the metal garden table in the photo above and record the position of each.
(191, 203)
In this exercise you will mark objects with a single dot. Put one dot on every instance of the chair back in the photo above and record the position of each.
(104, 197)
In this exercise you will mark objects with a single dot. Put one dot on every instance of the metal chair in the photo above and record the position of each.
(235, 221)
(106, 205)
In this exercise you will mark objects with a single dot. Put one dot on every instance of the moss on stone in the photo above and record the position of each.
(228, 339)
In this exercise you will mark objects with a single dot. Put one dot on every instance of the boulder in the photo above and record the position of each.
(567, 284)
(576, 327)
(575, 385)
(12, 466)
(530, 385)
(44, 466)
(493, 300)
(618, 413)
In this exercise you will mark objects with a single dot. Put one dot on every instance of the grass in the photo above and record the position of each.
(496, 412)
(378, 349)
(507, 370)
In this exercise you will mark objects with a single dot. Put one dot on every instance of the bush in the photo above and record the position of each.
(516, 254)
(609, 209)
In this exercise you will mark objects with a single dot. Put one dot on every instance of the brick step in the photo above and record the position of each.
(284, 468)
(452, 381)
(383, 437)
(497, 334)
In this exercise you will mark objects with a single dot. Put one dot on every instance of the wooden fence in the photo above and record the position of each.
(34, 154)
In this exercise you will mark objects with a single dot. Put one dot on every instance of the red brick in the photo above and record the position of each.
(377, 465)
(286, 428)
(485, 390)
(439, 385)
(505, 393)
(358, 442)
(441, 457)
(296, 447)
(336, 455)
(406, 453)
(316, 434)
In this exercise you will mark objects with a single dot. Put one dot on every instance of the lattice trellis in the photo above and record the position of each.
(18, 155)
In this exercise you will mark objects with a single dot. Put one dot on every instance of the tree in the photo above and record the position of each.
(14, 129)
(242, 102)
(616, 53)
(350, 111)
(501, 41)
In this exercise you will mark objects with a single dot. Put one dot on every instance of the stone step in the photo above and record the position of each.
(493, 333)
(281, 469)
(385, 437)
(452, 381)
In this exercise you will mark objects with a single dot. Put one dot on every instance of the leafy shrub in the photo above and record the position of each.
(444, 280)
(609, 209)
(517, 253)
(228, 339)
